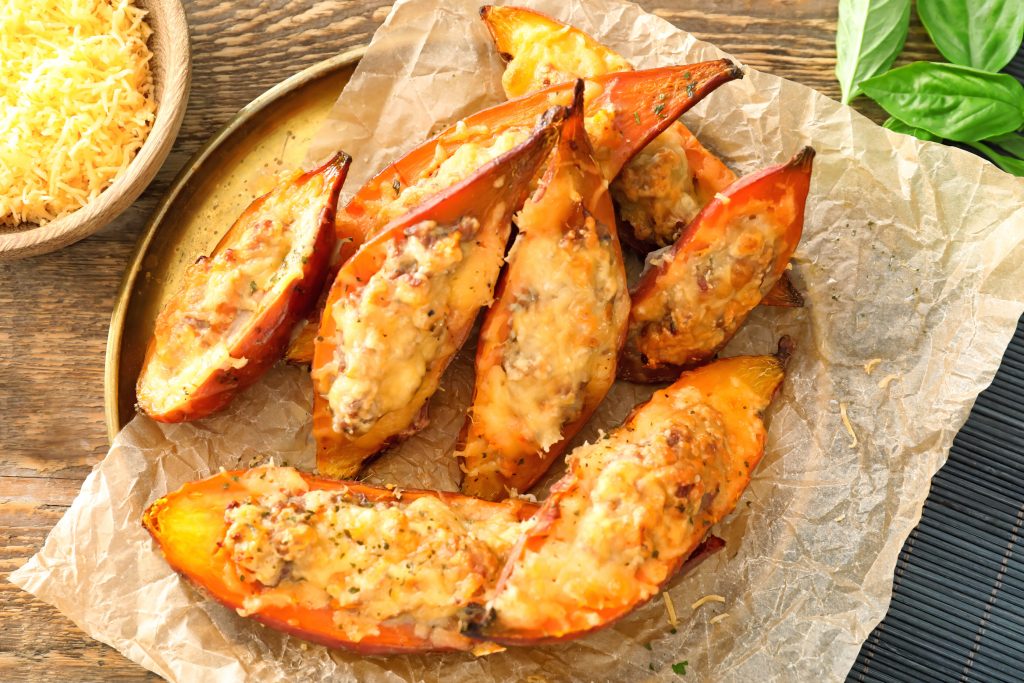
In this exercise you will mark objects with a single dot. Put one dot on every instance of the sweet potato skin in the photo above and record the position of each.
(264, 343)
(189, 525)
(490, 196)
(737, 390)
(665, 336)
(541, 50)
(568, 225)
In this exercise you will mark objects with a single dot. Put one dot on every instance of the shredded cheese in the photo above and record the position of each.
(706, 599)
(721, 617)
(884, 382)
(849, 427)
(76, 102)
(869, 367)
(670, 609)
(723, 198)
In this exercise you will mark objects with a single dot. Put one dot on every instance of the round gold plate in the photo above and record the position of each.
(236, 165)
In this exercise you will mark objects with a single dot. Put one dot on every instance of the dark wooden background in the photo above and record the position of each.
(54, 310)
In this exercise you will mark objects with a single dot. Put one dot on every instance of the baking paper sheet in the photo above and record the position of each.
(912, 264)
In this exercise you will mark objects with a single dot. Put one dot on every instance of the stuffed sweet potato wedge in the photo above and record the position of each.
(235, 312)
(619, 116)
(634, 505)
(339, 563)
(405, 303)
(697, 294)
(547, 350)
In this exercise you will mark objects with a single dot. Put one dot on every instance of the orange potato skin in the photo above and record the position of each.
(198, 556)
(572, 172)
(265, 343)
(784, 187)
(764, 375)
(710, 175)
(337, 453)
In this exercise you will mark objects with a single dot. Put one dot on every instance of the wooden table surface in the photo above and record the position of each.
(55, 309)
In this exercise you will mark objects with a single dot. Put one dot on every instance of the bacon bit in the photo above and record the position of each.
(670, 609)
(849, 427)
(722, 198)
(869, 367)
(884, 382)
(706, 599)
(721, 617)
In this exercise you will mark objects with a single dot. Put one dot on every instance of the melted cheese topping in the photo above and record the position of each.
(223, 295)
(473, 147)
(704, 294)
(632, 506)
(392, 330)
(546, 54)
(568, 301)
(655, 192)
(76, 102)
(371, 562)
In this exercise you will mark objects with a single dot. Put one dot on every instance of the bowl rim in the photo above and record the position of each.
(170, 29)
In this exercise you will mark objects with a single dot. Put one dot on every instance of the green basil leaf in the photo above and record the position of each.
(985, 34)
(898, 126)
(1008, 164)
(869, 37)
(954, 102)
(1011, 142)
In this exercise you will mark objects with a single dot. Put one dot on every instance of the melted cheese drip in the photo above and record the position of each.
(392, 329)
(638, 501)
(420, 560)
(700, 299)
(223, 294)
(76, 102)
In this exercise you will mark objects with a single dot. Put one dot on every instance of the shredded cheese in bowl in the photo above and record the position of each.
(76, 102)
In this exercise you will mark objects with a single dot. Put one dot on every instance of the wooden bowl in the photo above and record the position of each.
(172, 68)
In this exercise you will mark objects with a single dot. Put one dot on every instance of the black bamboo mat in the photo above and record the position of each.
(957, 611)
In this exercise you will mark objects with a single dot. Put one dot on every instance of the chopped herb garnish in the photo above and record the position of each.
(658, 111)
(241, 577)
(690, 89)
(396, 185)
(252, 286)
(353, 589)
(680, 667)
(225, 486)
(636, 117)
(305, 260)
(648, 646)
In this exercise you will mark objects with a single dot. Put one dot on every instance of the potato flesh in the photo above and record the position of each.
(390, 331)
(702, 298)
(368, 562)
(223, 295)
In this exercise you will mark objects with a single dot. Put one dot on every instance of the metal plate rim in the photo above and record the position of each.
(112, 358)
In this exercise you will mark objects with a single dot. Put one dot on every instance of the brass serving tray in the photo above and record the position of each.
(236, 165)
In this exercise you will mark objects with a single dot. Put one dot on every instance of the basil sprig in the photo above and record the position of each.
(984, 34)
(966, 101)
(870, 36)
(954, 102)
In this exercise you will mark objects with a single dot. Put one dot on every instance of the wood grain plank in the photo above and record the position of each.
(54, 309)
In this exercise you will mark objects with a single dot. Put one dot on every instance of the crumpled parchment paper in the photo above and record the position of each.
(913, 254)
